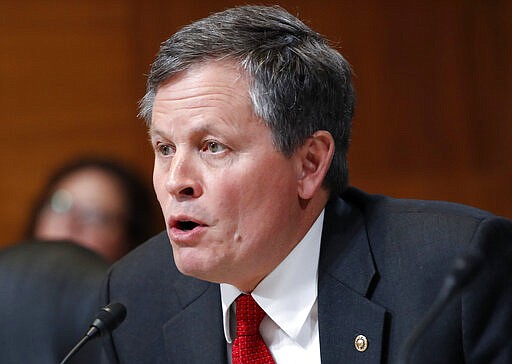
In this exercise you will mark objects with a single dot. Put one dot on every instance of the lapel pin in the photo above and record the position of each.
(361, 343)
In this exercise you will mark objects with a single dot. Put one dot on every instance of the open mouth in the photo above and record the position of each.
(186, 225)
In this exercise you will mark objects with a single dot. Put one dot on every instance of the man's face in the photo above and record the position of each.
(228, 196)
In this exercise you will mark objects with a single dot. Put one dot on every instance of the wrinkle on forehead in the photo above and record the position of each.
(202, 76)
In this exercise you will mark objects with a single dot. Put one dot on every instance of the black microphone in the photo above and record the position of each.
(495, 242)
(106, 321)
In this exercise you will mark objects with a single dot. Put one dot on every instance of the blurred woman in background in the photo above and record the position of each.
(97, 203)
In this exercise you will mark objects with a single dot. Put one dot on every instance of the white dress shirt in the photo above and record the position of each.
(288, 295)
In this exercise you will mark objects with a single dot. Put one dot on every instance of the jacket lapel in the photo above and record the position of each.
(346, 277)
(195, 334)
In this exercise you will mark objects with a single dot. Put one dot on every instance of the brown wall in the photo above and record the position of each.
(433, 83)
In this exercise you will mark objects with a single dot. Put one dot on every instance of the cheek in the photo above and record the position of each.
(258, 205)
(49, 225)
(159, 186)
(229, 200)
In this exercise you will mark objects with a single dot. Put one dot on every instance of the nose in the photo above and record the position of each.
(182, 179)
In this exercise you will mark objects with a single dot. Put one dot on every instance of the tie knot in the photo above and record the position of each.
(248, 315)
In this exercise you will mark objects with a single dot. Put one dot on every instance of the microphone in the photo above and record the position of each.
(493, 241)
(463, 271)
(106, 321)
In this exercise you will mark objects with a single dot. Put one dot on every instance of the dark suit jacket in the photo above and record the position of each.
(382, 263)
(48, 298)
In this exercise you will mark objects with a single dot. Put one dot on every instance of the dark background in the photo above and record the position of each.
(434, 91)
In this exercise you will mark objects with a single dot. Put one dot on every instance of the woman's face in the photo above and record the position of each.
(89, 208)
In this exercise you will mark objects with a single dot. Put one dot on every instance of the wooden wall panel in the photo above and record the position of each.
(67, 76)
(432, 79)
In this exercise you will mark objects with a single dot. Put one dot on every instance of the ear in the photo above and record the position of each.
(314, 158)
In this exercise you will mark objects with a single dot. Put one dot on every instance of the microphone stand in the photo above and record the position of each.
(465, 268)
(496, 241)
(75, 349)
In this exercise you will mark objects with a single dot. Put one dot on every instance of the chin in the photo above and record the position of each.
(193, 267)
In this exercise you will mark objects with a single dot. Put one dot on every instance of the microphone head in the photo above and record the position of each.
(108, 319)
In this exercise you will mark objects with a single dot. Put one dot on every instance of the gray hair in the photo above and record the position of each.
(298, 83)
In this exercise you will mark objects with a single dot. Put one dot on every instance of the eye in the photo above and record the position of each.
(165, 149)
(214, 147)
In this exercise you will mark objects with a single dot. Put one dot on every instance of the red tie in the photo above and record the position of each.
(249, 347)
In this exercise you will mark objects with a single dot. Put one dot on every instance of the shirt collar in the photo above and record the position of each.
(296, 276)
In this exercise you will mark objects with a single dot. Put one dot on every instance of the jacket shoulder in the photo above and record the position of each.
(374, 204)
(145, 264)
(414, 244)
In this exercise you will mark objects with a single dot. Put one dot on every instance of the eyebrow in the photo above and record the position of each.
(207, 128)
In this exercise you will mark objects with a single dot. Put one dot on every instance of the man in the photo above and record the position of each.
(249, 113)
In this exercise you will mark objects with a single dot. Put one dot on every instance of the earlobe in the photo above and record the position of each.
(315, 159)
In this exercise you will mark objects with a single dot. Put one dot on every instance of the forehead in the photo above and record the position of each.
(94, 186)
(215, 91)
(214, 77)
